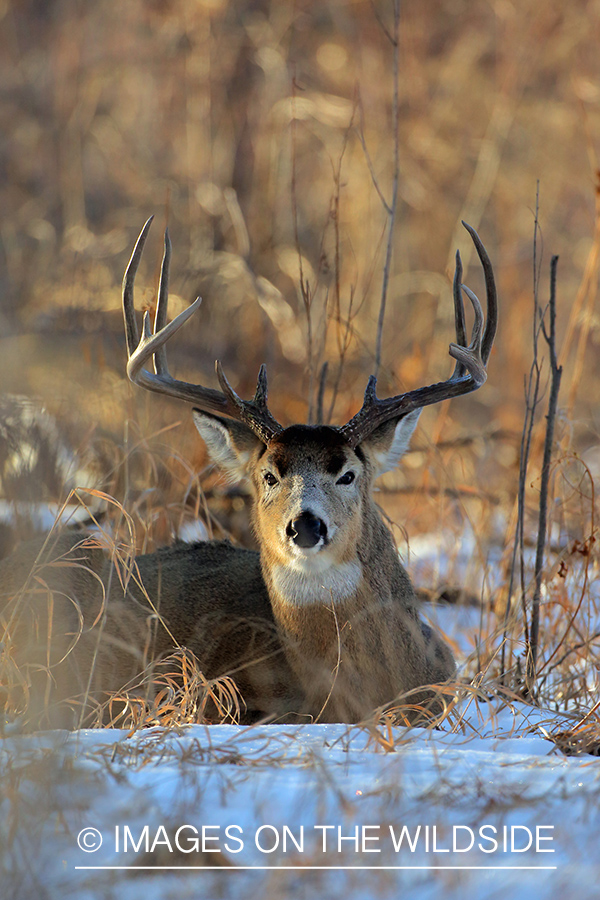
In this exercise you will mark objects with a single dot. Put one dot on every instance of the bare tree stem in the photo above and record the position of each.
(532, 386)
(392, 207)
(555, 377)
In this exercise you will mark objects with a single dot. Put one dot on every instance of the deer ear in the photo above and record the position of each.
(387, 444)
(230, 444)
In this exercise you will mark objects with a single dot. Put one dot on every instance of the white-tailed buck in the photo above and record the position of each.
(322, 623)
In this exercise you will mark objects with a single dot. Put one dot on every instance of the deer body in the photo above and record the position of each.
(343, 603)
(323, 623)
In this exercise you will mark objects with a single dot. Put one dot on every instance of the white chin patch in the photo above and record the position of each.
(315, 579)
(309, 559)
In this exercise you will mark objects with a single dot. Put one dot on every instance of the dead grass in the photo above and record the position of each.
(264, 138)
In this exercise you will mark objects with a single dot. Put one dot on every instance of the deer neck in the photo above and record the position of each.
(336, 627)
(300, 587)
(371, 574)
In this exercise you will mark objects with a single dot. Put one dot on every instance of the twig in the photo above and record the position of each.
(374, 179)
(532, 384)
(348, 335)
(394, 204)
(320, 394)
(344, 333)
(305, 290)
(555, 377)
(575, 612)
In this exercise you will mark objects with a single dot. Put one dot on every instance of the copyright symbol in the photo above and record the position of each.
(89, 840)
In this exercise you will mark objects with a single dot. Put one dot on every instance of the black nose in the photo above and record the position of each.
(307, 530)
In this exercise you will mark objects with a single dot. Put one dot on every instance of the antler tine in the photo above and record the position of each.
(254, 413)
(160, 319)
(492, 297)
(468, 359)
(149, 344)
(132, 334)
(152, 345)
(459, 311)
(469, 372)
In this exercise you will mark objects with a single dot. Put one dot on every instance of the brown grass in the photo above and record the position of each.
(264, 137)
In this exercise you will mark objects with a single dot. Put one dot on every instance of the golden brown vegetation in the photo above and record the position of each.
(262, 133)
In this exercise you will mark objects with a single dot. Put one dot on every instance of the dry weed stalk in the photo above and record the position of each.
(443, 156)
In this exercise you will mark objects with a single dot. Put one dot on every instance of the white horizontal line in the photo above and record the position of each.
(320, 868)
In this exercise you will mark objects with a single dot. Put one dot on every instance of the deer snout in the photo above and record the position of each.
(307, 530)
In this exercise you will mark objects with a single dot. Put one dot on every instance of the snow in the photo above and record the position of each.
(265, 794)
(265, 799)
(43, 516)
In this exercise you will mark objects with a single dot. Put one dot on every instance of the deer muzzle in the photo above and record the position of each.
(307, 530)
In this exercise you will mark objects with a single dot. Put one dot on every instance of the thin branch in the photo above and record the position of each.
(305, 290)
(320, 393)
(381, 22)
(348, 335)
(370, 166)
(394, 204)
(555, 377)
(532, 384)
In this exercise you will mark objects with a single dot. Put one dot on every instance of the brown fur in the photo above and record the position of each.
(336, 654)
(354, 655)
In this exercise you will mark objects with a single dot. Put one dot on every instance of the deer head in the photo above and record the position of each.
(311, 483)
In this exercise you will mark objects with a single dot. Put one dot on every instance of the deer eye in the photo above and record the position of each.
(347, 478)
(270, 479)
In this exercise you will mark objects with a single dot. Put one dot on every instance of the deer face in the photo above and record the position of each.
(311, 488)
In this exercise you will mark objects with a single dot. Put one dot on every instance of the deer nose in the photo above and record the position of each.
(307, 530)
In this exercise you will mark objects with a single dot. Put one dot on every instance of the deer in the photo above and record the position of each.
(322, 624)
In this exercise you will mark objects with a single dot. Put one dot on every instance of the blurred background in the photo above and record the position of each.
(262, 133)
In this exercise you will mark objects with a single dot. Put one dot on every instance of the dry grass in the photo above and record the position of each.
(263, 136)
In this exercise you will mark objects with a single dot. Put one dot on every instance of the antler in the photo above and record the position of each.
(152, 344)
(471, 361)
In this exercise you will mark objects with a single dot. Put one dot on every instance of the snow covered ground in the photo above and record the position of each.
(493, 810)
(486, 808)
